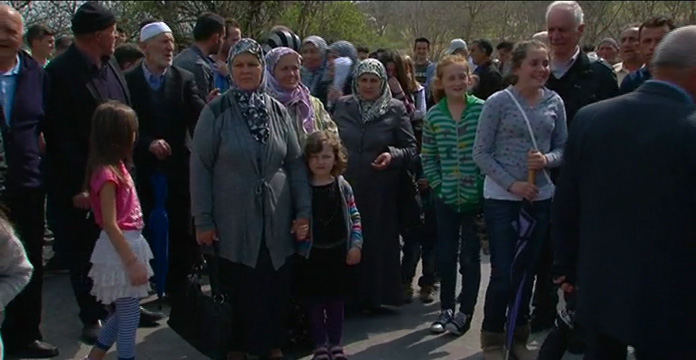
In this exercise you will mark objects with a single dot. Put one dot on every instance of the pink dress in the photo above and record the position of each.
(110, 278)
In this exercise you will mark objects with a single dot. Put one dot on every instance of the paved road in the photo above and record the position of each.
(399, 335)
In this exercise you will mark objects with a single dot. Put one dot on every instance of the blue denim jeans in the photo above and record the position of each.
(500, 216)
(457, 240)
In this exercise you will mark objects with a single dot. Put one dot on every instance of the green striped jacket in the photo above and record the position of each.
(448, 163)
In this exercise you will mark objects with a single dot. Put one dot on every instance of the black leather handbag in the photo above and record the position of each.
(203, 320)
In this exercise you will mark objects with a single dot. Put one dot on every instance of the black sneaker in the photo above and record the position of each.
(438, 327)
(459, 324)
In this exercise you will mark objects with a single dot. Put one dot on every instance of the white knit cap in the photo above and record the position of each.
(153, 29)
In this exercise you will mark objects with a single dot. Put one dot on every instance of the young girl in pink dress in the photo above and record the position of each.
(120, 260)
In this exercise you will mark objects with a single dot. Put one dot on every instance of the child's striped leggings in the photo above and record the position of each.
(121, 327)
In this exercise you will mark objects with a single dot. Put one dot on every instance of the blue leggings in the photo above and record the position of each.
(121, 326)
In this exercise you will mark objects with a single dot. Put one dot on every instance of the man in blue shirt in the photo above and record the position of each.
(21, 187)
(221, 74)
(650, 33)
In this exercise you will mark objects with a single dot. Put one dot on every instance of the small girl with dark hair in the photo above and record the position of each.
(336, 243)
(120, 259)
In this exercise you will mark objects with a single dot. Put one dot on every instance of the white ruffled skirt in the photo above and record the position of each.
(109, 276)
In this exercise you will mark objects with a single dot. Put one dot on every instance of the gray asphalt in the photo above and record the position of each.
(401, 334)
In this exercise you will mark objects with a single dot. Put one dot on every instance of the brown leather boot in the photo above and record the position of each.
(492, 344)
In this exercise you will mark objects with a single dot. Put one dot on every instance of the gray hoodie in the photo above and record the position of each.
(503, 140)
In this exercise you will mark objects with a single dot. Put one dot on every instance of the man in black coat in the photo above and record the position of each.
(489, 78)
(78, 80)
(624, 210)
(167, 102)
(579, 81)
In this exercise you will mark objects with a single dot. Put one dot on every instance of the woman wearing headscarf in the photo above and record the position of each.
(377, 133)
(313, 52)
(249, 191)
(342, 59)
(283, 75)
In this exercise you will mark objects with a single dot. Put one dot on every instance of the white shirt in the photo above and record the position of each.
(560, 69)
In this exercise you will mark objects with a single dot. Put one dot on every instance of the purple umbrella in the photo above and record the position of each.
(524, 225)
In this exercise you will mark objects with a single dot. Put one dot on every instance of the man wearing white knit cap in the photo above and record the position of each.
(167, 102)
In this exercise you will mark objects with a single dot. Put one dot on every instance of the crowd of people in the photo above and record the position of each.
(320, 174)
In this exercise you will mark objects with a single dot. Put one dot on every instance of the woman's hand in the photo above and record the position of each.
(206, 237)
(525, 190)
(334, 94)
(212, 95)
(536, 160)
(300, 228)
(354, 256)
(137, 272)
(382, 161)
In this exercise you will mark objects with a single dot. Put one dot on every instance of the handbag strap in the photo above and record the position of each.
(529, 128)
(214, 270)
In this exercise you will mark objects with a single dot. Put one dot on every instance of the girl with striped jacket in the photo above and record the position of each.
(448, 137)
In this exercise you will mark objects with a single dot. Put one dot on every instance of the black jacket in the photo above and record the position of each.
(174, 122)
(22, 135)
(489, 82)
(70, 101)
(623, 217)
(586, 82)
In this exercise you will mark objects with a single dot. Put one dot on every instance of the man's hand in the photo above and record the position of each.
(81, 200)
(565, 286)
(161, 149)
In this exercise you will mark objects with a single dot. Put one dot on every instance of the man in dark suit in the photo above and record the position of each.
(21, 189)
(624, 210)
(167, 102)
(78, 80)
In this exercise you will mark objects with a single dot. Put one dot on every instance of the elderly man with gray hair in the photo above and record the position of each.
(167, 101)
(579, 80)
(624, 210)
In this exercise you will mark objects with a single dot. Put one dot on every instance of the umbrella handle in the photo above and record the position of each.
(531, 177)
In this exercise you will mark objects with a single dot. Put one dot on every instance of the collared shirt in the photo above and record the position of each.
(8, 85)
(674, 86)
(621, 72)
(559, 70)
(155, 81)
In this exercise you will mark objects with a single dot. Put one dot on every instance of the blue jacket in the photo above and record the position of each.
(634, 80)
(26, 123)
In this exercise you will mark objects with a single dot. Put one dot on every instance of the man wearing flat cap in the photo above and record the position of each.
(78, 80)
(168, 103)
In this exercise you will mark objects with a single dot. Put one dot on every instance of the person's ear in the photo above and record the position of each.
(581, 29)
